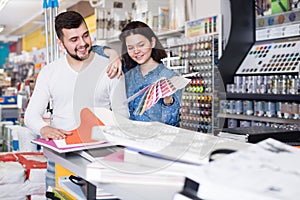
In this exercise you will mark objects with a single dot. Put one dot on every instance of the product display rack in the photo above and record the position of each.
(264, 90)
(196, 58)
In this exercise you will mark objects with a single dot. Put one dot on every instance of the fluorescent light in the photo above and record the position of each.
(3, 4)
(1, 28)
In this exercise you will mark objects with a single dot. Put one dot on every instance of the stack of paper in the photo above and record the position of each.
(111, 170)
(268, 170)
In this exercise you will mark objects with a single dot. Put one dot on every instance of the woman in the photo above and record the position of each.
(142, 53)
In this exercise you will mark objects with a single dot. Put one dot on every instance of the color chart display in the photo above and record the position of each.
(273, 57)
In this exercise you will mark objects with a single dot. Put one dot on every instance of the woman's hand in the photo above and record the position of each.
(48, 132)
(168, 101)
(115, 64)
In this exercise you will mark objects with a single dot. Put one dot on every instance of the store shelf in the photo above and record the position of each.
(272, 27)
(262, 119)
(270, 97)
(161, 35)
(170, 33)
(177, 67)
(113, 39)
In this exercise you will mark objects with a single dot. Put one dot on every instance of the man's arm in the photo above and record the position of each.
(37, 104)
(35, 110)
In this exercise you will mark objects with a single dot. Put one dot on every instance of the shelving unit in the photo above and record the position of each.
(267, 79)
(196, 58)
(19, 71)
(277, 97)
(272, 109)
(261, 119)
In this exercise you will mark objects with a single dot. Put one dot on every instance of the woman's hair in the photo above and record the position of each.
(137, 27)
(67, 20)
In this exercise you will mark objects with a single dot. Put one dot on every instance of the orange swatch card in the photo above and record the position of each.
(83, 134)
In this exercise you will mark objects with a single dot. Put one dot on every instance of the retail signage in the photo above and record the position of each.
(8, 99)
(203, 26)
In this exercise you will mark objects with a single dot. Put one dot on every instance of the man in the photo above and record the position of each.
(57, 81)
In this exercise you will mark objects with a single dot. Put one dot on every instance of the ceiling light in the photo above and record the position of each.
(3, 4)
(2, 27)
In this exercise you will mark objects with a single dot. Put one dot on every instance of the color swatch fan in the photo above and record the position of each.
(162, 88)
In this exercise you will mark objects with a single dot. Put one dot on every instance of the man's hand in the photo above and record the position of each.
(115, 64)
(48, 132)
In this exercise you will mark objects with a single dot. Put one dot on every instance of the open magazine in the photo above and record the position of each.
(161, 88)
(81, 137)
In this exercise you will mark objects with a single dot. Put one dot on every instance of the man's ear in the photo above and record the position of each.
(60, 43)
(153, 42)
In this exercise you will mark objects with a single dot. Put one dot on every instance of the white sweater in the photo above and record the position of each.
(70, 91)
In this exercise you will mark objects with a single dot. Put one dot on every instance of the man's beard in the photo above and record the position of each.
(75, 56)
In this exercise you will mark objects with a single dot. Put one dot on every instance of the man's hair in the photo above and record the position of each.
(138, 27)
(67, 20)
